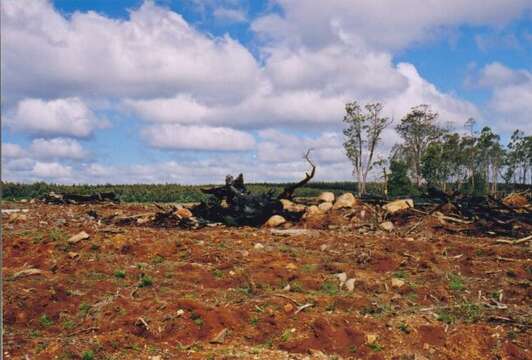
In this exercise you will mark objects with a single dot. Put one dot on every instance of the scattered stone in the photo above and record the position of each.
(220, 338)
(244, 253)
(346, 200)
(275, 221)
(291, 266)
(78, 237)
(350, 284)
(288, 308)
(326, 197)
(325, 206)
(144, 220)
(180, 312)
(73, 255)
(398, 205)
(387, 226)
(258, 246)
(397, 283)
(287, 288)
(371, 338)
(323, 247)
(342, 277)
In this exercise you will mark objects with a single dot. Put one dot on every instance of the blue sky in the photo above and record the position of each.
(130, 91)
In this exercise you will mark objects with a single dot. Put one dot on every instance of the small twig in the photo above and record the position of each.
(303, 307)
(287, 298)
(81, 331)
(514, 242)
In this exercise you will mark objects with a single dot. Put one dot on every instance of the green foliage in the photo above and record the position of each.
(399, 182)
(145, 281)
(87, 355)
(456, 283)
(120, 274)
(330, 287)
(45, 321)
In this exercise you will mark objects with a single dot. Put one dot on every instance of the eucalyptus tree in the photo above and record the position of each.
(361, 138)
(418, 129)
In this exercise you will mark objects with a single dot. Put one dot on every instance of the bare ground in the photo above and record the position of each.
(145, 293)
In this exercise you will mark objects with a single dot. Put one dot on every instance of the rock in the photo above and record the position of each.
(275, 221)
(219, 338)
(397, 283)
(292, 206)
(323, 247)
(288, 308)
(287, 287)
(325, 206)
(387, 226)
(184, 213)
(346, 200)
(342, 277)
(371, 338)
(326, 197)
(312, 210)
(398, 205)
(78, 237)
(258, 246)
(180, 312)
(73, 255)
(291, 266)
(350, 284)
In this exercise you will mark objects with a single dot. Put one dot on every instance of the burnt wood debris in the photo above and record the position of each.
(232, 204)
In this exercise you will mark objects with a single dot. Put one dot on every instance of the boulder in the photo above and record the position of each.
(275, 221)
(326, 197)
(312, 210)
(398, 205)
(325, 206)
(292, 206)
(346, 200)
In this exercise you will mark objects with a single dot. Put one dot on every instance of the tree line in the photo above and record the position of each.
(430, 155)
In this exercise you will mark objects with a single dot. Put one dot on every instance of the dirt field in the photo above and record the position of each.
(222, 293)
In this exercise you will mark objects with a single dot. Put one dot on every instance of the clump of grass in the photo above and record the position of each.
(296, 287)
(84, 309)
(218, 273)
(254, 321)
(87, 355)
(196, 318)
(285, 336)
(330, 287)
(404, 328)
(456, 283)
(401, 274)
(375, 346)
(45, 321)
(309, 267)
(120, 274)
(56, 235)
(69, 324)
(445, 316)
(157, 259)
(145, 281)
